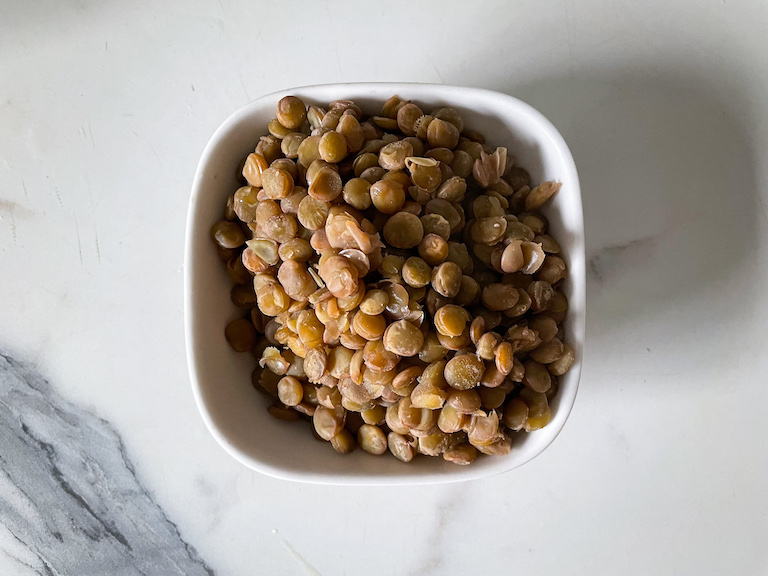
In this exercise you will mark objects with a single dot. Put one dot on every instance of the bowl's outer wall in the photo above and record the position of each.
(221, 379)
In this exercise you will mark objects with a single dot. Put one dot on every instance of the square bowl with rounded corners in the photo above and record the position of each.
(235, 412)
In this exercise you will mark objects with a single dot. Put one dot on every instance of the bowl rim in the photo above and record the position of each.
(441, 91)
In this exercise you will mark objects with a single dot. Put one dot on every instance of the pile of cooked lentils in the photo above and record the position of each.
(399, 287)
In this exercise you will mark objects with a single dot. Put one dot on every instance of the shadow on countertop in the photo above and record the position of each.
(672, 208)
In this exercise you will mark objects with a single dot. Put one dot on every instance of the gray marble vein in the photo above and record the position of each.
(438, 538)
(70, 501)
(607, 259)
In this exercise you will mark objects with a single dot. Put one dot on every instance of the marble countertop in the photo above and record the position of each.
(105, 464)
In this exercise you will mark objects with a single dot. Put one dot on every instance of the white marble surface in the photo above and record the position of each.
(662, 467)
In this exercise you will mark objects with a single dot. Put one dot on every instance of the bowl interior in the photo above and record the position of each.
(235, 412)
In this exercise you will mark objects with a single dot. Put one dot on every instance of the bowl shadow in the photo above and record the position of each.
(671, 206)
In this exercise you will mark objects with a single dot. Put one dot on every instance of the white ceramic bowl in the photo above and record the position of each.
(235, 413)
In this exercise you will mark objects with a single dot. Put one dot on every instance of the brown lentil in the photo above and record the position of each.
(446, 279)
(451, 320)
(241, 335)
(462, 454)
(563, 363)
(407, 117)
(464, 372)
(387, 196)
(425, 172)
(343, 442)
(399, 446)
(291, 112)
(491, 398)
(403, 338)
(228, 234)
(403, 230)
(433, 249)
